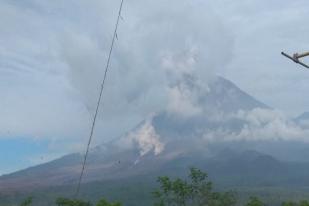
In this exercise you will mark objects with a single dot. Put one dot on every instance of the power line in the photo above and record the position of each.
(115, 36)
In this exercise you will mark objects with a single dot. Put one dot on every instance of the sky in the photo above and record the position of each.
(53, 53)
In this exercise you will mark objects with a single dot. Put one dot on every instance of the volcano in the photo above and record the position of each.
(168, 142)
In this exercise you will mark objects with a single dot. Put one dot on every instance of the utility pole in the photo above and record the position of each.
(296, 58)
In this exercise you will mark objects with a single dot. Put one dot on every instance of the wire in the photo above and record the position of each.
(99, 101)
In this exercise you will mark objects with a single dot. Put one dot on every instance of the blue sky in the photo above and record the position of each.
(52, 55)
(17, 153)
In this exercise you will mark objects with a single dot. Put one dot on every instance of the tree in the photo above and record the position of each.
(301, 203)
(290, 203)
(254, 201)
(196, 192)
(27, 202)
(69, 202)
(304, 203)
(103, 202)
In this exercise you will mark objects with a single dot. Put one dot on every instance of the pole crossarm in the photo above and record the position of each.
(296, 58)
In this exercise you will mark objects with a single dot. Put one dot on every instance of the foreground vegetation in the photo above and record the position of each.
(196, 190)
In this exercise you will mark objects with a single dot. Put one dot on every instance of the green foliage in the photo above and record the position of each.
(304, 203)
(68, 202)
(27, 202)
(301, 203)
(289, 203)
(103, 202)
(195, 192)
(254, 201)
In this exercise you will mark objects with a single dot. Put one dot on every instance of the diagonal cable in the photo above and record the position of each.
(99, 101)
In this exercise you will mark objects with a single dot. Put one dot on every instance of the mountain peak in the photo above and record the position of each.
(227, 97)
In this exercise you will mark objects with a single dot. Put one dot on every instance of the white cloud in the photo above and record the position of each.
(260, 125)
(155, 50)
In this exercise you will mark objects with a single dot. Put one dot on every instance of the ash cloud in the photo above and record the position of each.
(157, 51)
(53, 56)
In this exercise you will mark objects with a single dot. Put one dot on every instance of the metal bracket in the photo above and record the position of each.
(295, 59)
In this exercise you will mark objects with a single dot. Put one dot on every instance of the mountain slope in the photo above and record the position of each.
(168, 143)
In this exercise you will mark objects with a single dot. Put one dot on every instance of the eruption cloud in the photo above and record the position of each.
(156, 53)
